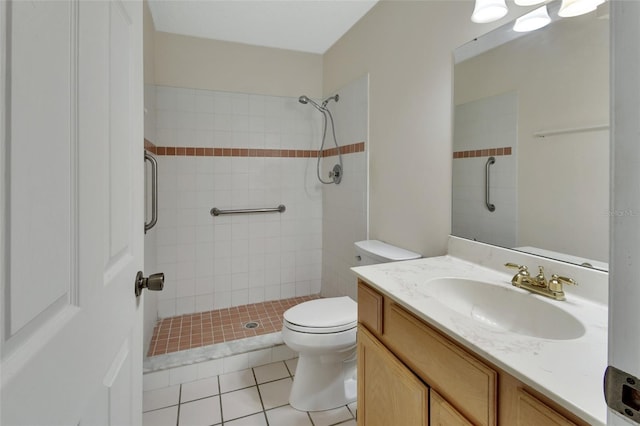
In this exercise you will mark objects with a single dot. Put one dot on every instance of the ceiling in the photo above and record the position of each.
(304, 25)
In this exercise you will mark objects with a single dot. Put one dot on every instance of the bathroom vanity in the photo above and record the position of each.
(425, 356)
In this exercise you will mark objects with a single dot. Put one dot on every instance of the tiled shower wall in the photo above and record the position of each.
(215, 262)
(483, 128)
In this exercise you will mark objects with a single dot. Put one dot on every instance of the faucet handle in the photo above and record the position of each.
(522, 269)
(556, 282)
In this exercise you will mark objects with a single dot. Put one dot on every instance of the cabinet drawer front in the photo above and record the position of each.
(468, 384)
(370, 305)
(533, 412)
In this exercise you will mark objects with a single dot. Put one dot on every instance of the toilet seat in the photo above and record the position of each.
(320, 330)
(323, 316)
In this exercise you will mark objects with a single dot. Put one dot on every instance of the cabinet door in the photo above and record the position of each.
(443, 414)
(533, 412)
(388, 392)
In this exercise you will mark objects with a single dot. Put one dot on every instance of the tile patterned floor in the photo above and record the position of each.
(253, 397)
(222, 325)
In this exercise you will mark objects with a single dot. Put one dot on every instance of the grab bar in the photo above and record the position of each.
(217, 212)
(154, 192)
(487, 182)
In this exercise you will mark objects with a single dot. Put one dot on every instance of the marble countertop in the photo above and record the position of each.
(569, 372)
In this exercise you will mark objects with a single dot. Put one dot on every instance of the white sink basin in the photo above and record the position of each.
(505, 308)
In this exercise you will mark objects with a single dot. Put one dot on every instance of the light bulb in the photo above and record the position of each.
(488, 11)
(571, 8)
(533, 20)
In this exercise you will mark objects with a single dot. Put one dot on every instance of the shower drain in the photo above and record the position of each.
(251, 324)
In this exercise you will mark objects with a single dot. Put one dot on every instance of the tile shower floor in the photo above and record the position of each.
(254, 397)
(221, 325)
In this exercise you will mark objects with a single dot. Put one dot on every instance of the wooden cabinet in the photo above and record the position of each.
(389, 393)
(408, 369)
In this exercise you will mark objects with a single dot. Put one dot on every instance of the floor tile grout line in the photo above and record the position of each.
(351, 412)
(242, 417)
(310, 419)
(220, 400)
(205, 397)
(288, 369)
(179, 399)
(264, 411)
(219, 396)
(221, 407)
(160, 408)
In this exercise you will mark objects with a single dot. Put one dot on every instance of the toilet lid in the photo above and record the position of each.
(328, 315)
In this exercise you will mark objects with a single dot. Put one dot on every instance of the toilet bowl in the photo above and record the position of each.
(325, 377)
(323, 332)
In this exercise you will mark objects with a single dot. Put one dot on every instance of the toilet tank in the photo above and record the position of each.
(370, 252)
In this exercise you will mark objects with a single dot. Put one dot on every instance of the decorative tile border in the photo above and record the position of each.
(482, 152)
(347, 149)
(249, 152)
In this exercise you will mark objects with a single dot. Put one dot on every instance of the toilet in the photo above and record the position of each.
(323, 332)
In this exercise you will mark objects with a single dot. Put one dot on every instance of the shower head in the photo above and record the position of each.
(304, 99)
(335, 98)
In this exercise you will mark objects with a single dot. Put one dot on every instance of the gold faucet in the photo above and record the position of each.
(539, 284)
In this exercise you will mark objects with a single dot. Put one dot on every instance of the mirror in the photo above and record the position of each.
(531, 137)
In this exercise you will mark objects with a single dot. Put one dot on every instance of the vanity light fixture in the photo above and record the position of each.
(488, 11)
(533, 20)
(571, 8)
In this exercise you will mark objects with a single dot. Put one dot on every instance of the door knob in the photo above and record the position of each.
(155, 282)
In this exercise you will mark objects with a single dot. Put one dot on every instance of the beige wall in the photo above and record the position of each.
(406, 47)
(190, 62)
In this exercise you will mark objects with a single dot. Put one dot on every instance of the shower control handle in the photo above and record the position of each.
(336, 174)
(154, 282)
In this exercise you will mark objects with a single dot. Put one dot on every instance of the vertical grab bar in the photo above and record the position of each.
(154, 192)
(487, 184)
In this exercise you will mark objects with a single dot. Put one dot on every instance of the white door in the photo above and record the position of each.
(72, 212)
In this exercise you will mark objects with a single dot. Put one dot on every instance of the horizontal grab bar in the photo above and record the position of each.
(544, 134)
(217, 212)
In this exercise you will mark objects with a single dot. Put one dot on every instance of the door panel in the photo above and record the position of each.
(120, 225)
(72, 341)
(41, 205)
(117, 382)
